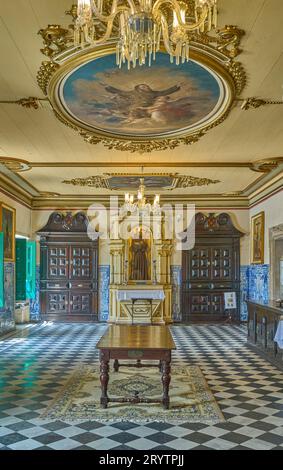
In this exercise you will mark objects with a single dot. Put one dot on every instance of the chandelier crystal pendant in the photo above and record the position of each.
(141, 206)
(144, 26)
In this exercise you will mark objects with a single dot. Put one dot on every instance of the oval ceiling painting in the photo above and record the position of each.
(146, 102)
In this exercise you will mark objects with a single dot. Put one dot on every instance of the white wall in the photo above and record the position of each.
(273, 209)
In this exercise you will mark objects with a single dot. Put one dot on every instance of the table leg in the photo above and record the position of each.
(116, 365)
(104, 378)
(166, 379)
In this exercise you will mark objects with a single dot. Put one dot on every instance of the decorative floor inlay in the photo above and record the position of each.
(191, 401)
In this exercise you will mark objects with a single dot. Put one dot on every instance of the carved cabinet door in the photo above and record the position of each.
(58, 262)
(222, 263)
(58, 303)
(80, 303)
(80, 262)
(199, 267)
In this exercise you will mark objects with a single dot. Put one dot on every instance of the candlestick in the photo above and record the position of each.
(126, 272)
(154, 280)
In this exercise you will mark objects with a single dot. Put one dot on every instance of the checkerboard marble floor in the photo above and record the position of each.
(37, 360)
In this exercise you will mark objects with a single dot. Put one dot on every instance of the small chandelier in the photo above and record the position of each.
(144, 25)
(141, 206)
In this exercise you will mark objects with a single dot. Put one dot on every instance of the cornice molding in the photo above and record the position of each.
(260, 188)
(13, 191)
(267, 190)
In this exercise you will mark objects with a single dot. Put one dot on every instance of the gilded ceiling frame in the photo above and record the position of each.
(217, 52)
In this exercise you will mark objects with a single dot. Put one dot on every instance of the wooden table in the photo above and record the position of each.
(138, 342)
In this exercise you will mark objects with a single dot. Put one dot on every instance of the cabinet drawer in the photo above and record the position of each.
(85, 285)
(56, 285)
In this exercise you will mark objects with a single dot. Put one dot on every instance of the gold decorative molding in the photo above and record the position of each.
(48, 194)
(254, 103)
(192, 181)
(261, 166)
(29, 103)
(178, 181)
(15, 164)
(55, 40)
(139, 145)
(227, 41)
(216, 52)
(45, 73)
(267, 165)
(233, 194)
(97, 182)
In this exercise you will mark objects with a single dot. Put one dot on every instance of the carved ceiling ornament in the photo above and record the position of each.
(191, 181)
(97, 182)
(29, 103)
(267, 165)
(103, 182)
(216, 54)
(15, 164)
(254, 103)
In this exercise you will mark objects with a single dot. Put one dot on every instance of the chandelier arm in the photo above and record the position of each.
(166, 39)
(107, 33)
(174, 3)
(114, 10)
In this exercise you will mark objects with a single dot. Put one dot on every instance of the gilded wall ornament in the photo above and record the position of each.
(131, 114)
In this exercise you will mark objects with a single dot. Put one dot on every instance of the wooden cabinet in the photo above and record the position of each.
(210, 269)
(262, 325)
(25, 269)
(68, 269)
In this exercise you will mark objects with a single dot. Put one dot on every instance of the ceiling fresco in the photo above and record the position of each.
(162, 99)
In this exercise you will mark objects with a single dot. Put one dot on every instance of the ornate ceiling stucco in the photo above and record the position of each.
(131, 181)
(60, 78)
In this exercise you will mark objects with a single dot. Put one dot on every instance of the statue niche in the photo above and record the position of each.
(140, 257)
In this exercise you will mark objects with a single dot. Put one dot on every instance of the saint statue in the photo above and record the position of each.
(139, 265)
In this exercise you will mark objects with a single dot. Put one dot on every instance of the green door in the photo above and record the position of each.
(2, 300)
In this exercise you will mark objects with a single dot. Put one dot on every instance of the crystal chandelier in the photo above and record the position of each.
(144, 26)
(141, 206)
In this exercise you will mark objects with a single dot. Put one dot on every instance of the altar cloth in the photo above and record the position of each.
(123, 295)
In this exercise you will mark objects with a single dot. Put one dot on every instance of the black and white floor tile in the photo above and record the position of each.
(37, 360)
